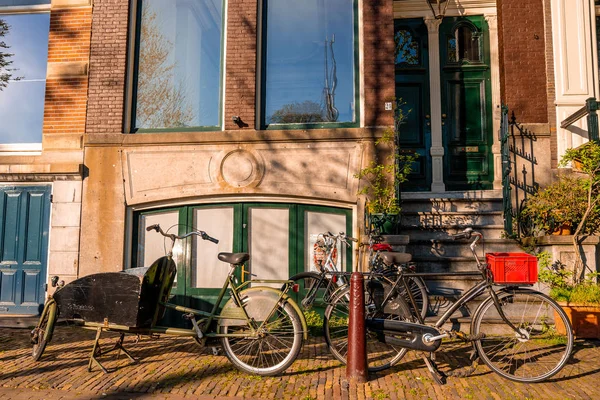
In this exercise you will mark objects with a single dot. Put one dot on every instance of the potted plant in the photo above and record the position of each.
(579, 298)
(556, 209)
(380, 178)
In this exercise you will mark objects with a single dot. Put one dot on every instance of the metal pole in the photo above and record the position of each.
(356, 367)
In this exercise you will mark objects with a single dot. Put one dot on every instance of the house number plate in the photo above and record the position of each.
(467, 149)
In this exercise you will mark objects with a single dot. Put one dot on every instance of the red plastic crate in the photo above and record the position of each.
(512, 268)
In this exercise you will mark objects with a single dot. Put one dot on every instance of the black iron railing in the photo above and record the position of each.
(518, 172)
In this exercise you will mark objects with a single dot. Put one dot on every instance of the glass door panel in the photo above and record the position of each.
(207, 270)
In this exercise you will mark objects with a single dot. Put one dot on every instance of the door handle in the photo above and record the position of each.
(444, 115)
(427, 116)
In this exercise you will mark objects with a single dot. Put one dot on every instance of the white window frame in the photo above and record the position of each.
(23, 149)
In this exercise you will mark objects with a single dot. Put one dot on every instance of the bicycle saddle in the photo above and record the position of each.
(394, 258)
(234, 258)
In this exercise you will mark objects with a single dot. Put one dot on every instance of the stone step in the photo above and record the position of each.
(450, 248)
(495, 231)
(453, 202)
(427, 219)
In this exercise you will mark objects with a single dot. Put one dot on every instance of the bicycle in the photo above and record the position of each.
(260, 328)
(513, 331)
(328, 278)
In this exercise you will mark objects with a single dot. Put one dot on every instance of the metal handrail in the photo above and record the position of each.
(590, 110)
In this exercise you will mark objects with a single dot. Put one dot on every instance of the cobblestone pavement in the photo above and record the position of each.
(177, 368)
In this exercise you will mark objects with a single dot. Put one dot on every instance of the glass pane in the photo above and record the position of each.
(22, 100)
(269, 243)
(207, 270)
(465, 45)
(407, 48)
(309, 61)
(179, 64)
(152, 245)
(318, 223)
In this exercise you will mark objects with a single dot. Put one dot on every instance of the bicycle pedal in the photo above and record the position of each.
(215, 351)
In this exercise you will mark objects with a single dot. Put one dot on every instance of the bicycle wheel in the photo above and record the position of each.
(272, 348)
(540, 349)
(41, 335)
(380, 355)
(419, 292)
(309, 291)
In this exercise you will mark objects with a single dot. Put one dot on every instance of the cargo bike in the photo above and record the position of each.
(260, 329)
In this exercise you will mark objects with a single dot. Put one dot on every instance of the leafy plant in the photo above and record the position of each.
(380, 177)
(314, 322)
(563, 286)
(562, 202)
(588, 158)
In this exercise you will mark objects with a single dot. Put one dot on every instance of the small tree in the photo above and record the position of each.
(587, 157)
(6, 73)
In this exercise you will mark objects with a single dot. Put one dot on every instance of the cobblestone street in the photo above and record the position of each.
(177, 368)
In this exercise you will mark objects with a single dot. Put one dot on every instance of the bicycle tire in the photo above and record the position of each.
(539, 356)
(306, 280)
(42, 333)
(380, 355)
(272, 350)
(419, 292)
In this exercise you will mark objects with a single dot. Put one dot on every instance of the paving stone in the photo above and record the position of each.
(176, 368)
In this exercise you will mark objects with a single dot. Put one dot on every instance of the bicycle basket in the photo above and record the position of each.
(513, 268)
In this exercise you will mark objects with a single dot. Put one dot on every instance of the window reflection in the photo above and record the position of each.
(22, 100)
(465, 45)
(179, 64)
(309, 61)
(407, 48)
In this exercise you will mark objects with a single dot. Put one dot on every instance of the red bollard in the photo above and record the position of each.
(356, 367)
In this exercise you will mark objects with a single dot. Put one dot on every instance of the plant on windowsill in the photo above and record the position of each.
(379, 178)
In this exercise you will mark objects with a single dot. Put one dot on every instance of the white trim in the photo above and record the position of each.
(224, 10)
(259, 61)
(419, 8)
(21, 149)
(360, 68)
(42, 8)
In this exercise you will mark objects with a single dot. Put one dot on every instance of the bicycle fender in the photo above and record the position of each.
(258, 302)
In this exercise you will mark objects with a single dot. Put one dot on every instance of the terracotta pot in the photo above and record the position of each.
(566, 228)
(584, 320)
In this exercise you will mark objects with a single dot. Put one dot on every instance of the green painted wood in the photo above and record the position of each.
(412, 88)
(466, 104)
(24, 226)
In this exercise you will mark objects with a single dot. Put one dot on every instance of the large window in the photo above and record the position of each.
(178, 73)
(24, 27)
(309, 71)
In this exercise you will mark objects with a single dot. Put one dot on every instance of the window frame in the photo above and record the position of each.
(263, 75)
(34, 148)
(134, 31)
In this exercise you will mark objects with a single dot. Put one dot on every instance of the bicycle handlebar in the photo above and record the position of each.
(172, 236)
(341, 236)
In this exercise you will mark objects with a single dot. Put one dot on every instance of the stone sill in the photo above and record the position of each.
(229, 137)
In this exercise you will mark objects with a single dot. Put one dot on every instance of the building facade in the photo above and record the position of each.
(250, 119)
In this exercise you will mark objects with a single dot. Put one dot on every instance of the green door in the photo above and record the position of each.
(412, 91)
(24, 222)
(466, 103)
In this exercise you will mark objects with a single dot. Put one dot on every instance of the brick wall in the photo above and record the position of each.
(522, 39)
(107, 67)
(66, 85)
(378, 45)
(240, 90)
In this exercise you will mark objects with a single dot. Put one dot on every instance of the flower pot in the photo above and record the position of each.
(566, 228)
(584, 320)
(385, 224)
